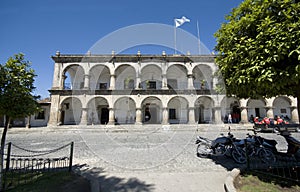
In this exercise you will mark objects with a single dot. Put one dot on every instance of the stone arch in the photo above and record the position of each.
(282, 107)
(178, 110)
(256, 107)
(125, 77)
(99, 77)
(177, 77)
(230, 105)
(70, 111)
(151, 110)
(125, 110)
(151, 77)
(98, 112)
(73, 77)
(204, 112)
(203, 76)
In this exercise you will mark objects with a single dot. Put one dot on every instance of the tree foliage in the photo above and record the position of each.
(16, 88)
(259, 49)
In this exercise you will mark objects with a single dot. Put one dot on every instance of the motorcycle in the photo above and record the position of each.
(252, 146)
(219, 146)
(293, 144)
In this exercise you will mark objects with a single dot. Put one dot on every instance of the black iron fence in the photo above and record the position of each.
(24, 165)
(284, 167)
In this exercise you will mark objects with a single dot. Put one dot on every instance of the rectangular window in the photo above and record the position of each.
(152, 84)
(40, 115)
(103, 86)
(282, 110)
(172, 113)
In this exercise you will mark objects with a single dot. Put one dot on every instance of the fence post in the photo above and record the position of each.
(8, 156)
(71, 157)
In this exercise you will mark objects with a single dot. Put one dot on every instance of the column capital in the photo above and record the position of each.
(293, 107)
(190, 75)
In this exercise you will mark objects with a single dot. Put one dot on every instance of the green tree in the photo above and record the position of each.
(16, 99)
(259, 49)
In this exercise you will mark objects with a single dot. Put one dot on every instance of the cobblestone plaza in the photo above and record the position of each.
(156, 157)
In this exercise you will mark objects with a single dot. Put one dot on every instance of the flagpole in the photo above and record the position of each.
(199, 49)
(174, 37)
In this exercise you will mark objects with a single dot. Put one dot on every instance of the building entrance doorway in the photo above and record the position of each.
(104, 115)
(200, 112)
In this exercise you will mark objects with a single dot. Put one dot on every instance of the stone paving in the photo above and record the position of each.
(138, 158)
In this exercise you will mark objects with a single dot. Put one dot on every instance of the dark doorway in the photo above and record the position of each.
(104, 115)
(147, 114)
(257, 114)
(201, 114)
(236, 114)
(62, 118)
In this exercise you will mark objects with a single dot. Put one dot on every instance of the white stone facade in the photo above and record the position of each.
(148, 89)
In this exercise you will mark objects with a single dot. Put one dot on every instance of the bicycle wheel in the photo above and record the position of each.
(203, 150)
(266, 156)
(239, 155)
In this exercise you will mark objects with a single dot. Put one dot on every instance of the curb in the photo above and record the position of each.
(228, 185)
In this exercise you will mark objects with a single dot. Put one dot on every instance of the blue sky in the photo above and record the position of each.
(38, 28)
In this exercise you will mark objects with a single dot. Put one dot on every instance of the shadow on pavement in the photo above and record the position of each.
(105, 183)
(227, 162)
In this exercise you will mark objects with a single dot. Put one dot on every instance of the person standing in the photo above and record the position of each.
(229, 118)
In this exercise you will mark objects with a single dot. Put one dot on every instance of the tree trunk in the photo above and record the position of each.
(3, 138)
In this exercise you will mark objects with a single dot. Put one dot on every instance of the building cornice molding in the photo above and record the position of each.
(132, 58)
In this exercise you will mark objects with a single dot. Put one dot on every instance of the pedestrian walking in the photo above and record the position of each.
(229, 118)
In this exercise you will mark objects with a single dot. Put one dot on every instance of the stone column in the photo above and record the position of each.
(244, 115)
(111, 120)
(112, 82)
(138, 83)
(190, 81)
(84, 117)
(192, 115)
(86, 81)
(54, 111)
(62, 82)
(59, 117)
(57, 76)
(294, 114)
(138, 118)
(164, 82)
(270, 112)
(217, 111)
(165, 116)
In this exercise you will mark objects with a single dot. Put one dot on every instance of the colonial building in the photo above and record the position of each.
(149, 89)
(39, 119)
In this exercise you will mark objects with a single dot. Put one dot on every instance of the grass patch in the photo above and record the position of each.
(256, 182)
(48, 182)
